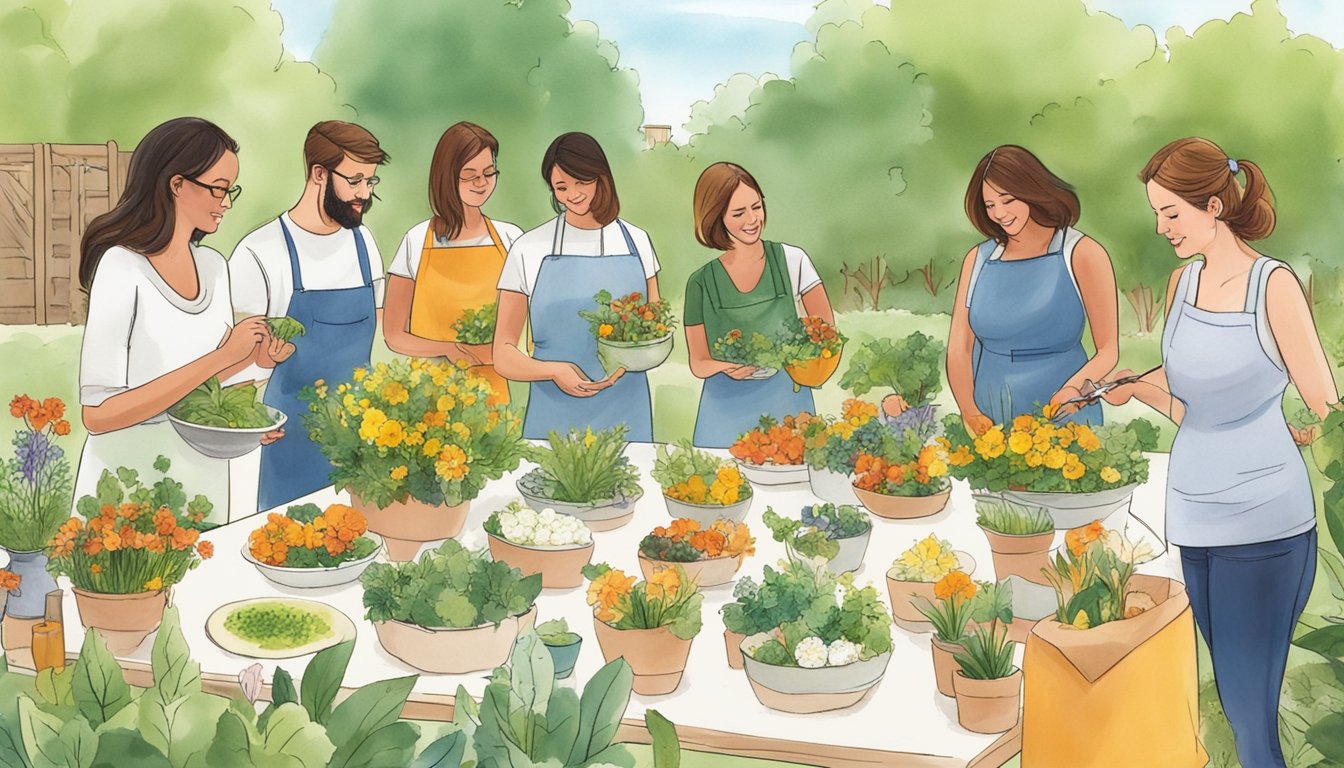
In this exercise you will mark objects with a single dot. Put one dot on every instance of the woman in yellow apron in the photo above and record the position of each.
(450, 263)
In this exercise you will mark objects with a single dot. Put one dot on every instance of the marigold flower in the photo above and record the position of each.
(1073, 469)
(205, 549)
(663, 585)
(154, 584)
(954, 584)
(607, 590)
(399, 472)
(452, 463)
(1110, 475)
(9, 580)
(1077, 539)
(1019, 442)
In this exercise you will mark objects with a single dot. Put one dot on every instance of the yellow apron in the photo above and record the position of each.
(450, 281)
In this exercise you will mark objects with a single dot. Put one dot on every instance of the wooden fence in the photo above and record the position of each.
(48, 195)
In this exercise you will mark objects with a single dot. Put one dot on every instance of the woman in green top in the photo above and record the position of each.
(753, 286)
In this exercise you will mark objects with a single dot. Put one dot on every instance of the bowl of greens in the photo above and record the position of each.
(224, 422)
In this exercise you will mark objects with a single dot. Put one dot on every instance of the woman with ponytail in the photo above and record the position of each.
(1239, 502)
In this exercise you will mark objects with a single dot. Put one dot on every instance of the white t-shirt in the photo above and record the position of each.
(803, 275)
(263, 281)
(139, 328)
(407, 259)
(526, 254)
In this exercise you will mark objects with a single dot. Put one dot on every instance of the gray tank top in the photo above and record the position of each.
(1235, 476)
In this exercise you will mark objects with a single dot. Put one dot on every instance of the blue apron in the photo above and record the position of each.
(340, 324)
(730, 407)
(565, 285)
(1028, 318)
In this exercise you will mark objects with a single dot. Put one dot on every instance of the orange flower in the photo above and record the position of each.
(9, 580)
(61, 427)
(183, 539)
(93, 545)
(683, 527)
(954, 584)
(18, 407)
(1077, 539)
(710, 542)
(165, 522)
(606, 591)
(95, 569)
(154, 584)
(205, 549)
(663, 585)
(154, 544)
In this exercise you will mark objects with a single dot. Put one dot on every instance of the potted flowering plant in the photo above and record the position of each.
(809, 348)
(1090, 576)
(700, 485)
(631, 333)
(1019, 536)
(987, 685)
(831, 644)
(914, 574)
(308, 547)
(34, 501)
(895, 489)
(839, 534)
(710, 555)
(772, 452)
(650, 623)
(960, 603)
(832, 445)
(554, 545)
(131, 543)
(450, 612)
(585, 475)
(1075, 472)
(414, 442)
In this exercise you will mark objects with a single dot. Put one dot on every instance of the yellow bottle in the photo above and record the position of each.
(49, 636)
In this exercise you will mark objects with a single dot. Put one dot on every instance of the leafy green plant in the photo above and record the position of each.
(582, 467)
(757, 349)
(556, 632)
(1090, 575)
(234, 407)
(783, 595)
(951, 609)
(835, 444)
(477, 326)
(450, 586)
(698, 477)
(986, 654)
(849, 621)
(629, 318)
(35, 481)
(818, 528)
(285, 328)
(910, 367)
(1010, 518)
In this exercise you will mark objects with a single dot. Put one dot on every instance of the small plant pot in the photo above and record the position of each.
(314, 578)
(832, 486)
(852, 550)
(988, 706)
(1022, 556)
(902, 507)
(903, 593)
(450, 650)
(1072, 510)
(733, 645)
(706, 514)
(807, 691)
(773, 474)
(813, 373)
(560, 567)
(407, 525)
(123, 621)
(710, 572)
(565, 656)
(656, 656)
(605, 515)
(944, 665)
(634, 356)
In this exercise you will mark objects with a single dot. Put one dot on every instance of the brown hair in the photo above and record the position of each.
(461, 142)
(143, 218)
(330, 141)
(1197, 170)
(713, 191)
(580, 156)
(1021, 174)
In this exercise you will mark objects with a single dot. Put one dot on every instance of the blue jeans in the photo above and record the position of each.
(1246, 600)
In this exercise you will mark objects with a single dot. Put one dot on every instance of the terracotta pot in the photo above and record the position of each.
(903, 593)
(124, 621)
(733, 642)
(813, 373)
(902, 507)
(406, 525)
(656, 656)
(1022, 556)
(944, 665)
(560, 567)
(453, 651)
(706, 573)
(988, 706)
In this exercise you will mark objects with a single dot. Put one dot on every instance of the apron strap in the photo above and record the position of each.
(778, 267)
(558, 239)
(629, 243)
(363, 252)
(295, 272)
(494, 236)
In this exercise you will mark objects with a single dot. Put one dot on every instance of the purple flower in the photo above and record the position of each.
(34, 452)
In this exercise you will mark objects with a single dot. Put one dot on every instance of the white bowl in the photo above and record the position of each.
(316, 578)
(634, 356)
(706, 514)
(773, 474)
(225, 442)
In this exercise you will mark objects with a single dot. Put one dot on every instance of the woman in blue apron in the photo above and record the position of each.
(550, 275)
(754, 285)
(1025, 296)
(1239, 500)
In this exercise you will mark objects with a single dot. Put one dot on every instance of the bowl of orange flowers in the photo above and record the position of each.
(772, 453)
(311, 548)
(632, 333)
(895, 486)
(710, 555)
(701, 486)
(810, 348)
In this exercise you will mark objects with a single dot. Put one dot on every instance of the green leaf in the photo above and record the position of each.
(182, 728)
(81, 745)
(367, 710)
(41, 736)
(562, 725)
(12, 752)
(56, 687)
(291, 733)
(445, 752)
(128, 717)
(99, 687)
(391, 746)
(124, 747)
(1327, 736)
(322, 680)
(601, 708)
(533, 673)
(666, 745)
(232, 746)
(175, 674)
(285, 328)
(1327, 641)
(282, 688)
(161, 464)
(1334, 571)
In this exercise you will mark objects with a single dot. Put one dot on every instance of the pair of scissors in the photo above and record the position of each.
(1095, 391)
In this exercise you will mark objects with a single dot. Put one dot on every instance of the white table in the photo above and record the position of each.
(904, 721)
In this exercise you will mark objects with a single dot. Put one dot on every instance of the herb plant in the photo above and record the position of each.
(451, 586)
(910, 367)
(582, 467)
(986, 654)
(35, 482)
(477, 326)
(1010, 518)
(756, 350)
(285, 328)
(818, 528)
(234, 407)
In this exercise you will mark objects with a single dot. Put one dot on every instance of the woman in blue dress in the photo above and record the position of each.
(1239, 502)
(1025, 295)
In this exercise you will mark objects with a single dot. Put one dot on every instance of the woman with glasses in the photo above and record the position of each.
(160, 322)
(318, 264)
(550, 275)
(1025, 296)
(450, 263)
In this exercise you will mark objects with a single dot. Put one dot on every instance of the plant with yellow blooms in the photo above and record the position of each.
(413, 428)
(1090, 575)
(696, 477)
(666, 599)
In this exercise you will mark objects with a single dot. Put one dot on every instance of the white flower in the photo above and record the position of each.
(840, 591)
(842, 652)
(810, 653)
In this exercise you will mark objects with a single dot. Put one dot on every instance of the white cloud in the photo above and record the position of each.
(791, 11)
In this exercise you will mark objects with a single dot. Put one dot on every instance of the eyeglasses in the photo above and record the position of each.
(219, 192)
(488, 175)
(371, 181)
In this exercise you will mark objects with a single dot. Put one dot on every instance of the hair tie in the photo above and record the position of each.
(1232, 166)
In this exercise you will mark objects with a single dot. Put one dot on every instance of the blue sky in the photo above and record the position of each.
(683, 48)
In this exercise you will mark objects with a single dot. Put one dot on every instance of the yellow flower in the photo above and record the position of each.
(432, 446)
(589, 438)
(399, 473)
(663, 584)
(1034, 458)
(1055, 457)
(446, 403)
(937, 468)
(1019, 442)
(390, 434)
(1080, 621)
(604, 330)
(1110, 475)
(960, 457)
(1050, 410)
(1024, 423)
(607, 591)
(991, 444)
(461, 430)
(373, 421)
(439, 375)
(154, 584)
(394, 392)
(1087, 439)
(342, 388)
(414, 437)
(452, 463)
(350, 405)
(360, 373)
(1073, 469)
